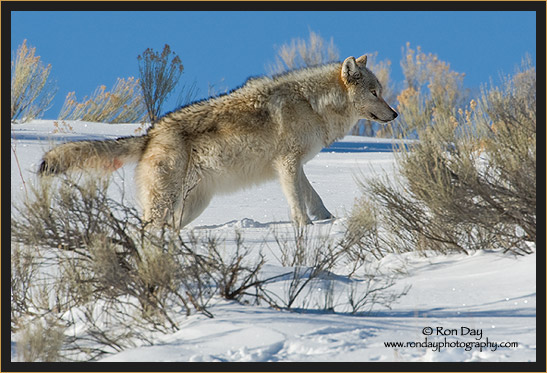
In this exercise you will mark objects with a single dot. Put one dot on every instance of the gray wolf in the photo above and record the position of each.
(270, 127)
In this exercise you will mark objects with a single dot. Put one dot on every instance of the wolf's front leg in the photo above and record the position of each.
(315, 205)
(289, 170)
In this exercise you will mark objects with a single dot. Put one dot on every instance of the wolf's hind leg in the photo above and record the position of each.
(159, 180)
(189, 208)
(159, 192)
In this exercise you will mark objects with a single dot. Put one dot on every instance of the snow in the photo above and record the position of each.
(455, 294)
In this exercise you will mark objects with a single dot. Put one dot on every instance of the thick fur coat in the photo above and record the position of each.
(270, 127)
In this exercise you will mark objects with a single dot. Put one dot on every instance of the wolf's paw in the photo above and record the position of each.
(323, 215)
(328, 218)
(302, 221)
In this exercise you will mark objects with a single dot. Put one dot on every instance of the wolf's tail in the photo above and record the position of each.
(103, 156)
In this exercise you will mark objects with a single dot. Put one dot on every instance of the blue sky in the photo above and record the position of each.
(88, 49)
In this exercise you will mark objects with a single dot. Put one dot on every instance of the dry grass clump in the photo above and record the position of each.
(122, 104)
(470, 181)
(300, 53)
(431, 87)
(32, 90)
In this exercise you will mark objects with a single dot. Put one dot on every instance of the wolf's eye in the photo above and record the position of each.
(374, 93)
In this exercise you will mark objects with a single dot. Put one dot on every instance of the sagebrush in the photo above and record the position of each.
(32, 89)
(159, 75)
(469, 183)
(89, 277)
(122, 104)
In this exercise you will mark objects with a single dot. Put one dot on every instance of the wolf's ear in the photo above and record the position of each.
(350, 70)
(362, 60)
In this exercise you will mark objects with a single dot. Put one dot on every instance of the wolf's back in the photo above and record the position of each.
(103, 156)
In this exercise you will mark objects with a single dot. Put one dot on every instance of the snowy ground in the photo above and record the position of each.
(459, 308)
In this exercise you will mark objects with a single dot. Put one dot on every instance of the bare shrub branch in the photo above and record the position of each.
(159, 75)
(100, 267)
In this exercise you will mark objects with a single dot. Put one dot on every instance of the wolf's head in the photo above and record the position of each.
(365, 91)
